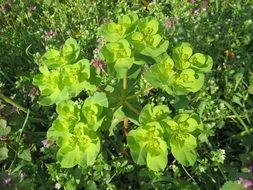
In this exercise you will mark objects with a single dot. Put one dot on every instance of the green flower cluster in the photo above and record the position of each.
(74, 131)
(129, 41)
(62, 75)
(157, 133)
(181, 74)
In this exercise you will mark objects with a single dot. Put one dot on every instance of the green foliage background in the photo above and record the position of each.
(221, 29)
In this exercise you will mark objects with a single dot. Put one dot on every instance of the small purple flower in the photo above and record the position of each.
(14, 109)
(196, 11)
(32, 92)
(46, 143)
(98, 64)
(169, 23)
(96, 51)
(247, 183)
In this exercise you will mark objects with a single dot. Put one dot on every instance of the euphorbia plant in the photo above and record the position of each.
(135, 50)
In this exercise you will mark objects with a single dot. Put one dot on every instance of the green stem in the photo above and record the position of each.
(222, 173)
(10, 101)
(132, 107)
(237, 115)
(19, 138)
(23, 126)
(188, 174)
(124, 92)
(139, 93)
(109, 93)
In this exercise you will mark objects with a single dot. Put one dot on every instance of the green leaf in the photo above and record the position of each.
(67, 109)
(186, 119)
(232, 185)
(149, 114)
(74, 77)
(4, 129)
(158, 162)
(91, 114)
(3, 153)
(64, 83)
(100, 99)
(148, 147)
(181, 55)
(137, 150)
(70, 50)
(250, 89)
(148, 26)
(113, 51)
(155, 51)
(161, 74)
(52, 59)
(113, 32)
(55, 98)
(185, 152)
(122, 66)
(25, 155)
(201, 62)
(82, 148)
(68, 156)
(48, 82)
(187, 81)
(91, 185)
(59, 131)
